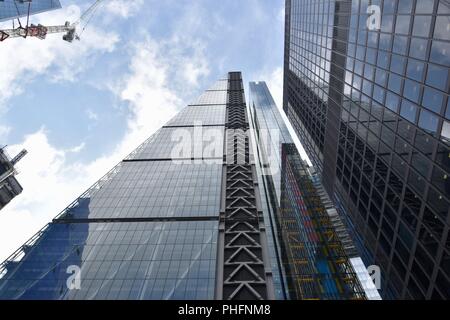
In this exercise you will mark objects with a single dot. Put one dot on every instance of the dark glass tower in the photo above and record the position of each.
(370, 104)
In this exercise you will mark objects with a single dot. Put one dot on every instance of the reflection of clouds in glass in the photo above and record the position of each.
(442, 29)
(428, 121)
(440, 52)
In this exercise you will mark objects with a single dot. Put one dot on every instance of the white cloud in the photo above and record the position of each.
(92, 115)
(124, 9)
(24, 59)
(281, 14)
(152, 103)
(4, 131)
(77, 149)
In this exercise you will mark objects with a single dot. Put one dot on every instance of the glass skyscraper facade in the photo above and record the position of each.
(370, 103)
(147, 230)
(310, 257)
(192, 214)
(179, 218)
(11, 9)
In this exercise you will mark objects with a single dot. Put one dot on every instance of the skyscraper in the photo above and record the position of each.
(310, 250)
(177, 219)
(11, 9)
(184, 216)
(366, 89)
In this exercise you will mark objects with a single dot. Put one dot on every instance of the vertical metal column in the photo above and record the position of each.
(243, 268)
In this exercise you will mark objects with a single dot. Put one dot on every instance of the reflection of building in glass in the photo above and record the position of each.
(379, 131)
(11, 9)
(309, 246)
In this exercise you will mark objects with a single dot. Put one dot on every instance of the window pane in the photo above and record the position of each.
(445, 134)
(387, 23)
(372, 39)
(424, 6)
(398, 64)
(362, 37)
(360, 52)
(440, 179)
(437, 77)
(395, 83)
(378, 94)
(371, 55)
(422, 26)
(369, 72)
(408, 111)
(380, 77)
(418, 48)
(406, 130)
(424, 143)
(389, 7)
(442, 29)
(405, 6)
(416, 181)
(415, 69)
(438, 203)
(392, 101)
(402, 24)
(383, 59)
(432, 100)
(444, 7)
(358, 67)
(367, 87)
(412, 90)
(421, 163)
(447, 113)
(385, 42)
(400, 44)
(440, 52)
(428, 121)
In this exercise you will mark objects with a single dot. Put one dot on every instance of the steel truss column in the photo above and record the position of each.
(243, 268)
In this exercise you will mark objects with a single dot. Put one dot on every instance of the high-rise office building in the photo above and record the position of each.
(183, 217)
(177, 219)
(11, 9)
(310, 249)
(366, 89)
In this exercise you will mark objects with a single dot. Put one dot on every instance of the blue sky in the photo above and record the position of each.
(79, 108)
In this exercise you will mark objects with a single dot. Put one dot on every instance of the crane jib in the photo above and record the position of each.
(41, 32)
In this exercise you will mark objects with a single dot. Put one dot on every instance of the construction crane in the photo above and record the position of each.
(7, 164)
(40, 31)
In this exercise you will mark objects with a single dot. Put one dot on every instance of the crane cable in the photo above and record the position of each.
(91, 15)
(18, 13)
